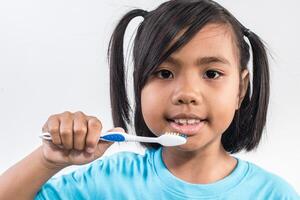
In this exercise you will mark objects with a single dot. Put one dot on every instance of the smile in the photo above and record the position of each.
(188, 127)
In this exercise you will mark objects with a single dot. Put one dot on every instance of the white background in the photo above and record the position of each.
(53, 59)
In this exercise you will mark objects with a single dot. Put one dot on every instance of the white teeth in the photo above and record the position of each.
(186, 121)
(182, 121)
(191, 121)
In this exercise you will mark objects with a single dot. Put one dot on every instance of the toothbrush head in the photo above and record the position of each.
(172, 139)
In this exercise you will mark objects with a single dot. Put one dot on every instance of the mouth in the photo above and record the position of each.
(188, 126)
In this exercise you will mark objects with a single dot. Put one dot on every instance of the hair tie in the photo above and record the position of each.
(144, 13)
(247, 32)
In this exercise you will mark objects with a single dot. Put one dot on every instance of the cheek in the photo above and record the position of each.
(153, 104)
(223, 107)
(149, 100)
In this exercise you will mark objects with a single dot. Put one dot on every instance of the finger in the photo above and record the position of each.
(66, 130)
(94, 132)
(117, 129)
(52, 127)
(45, 128)
(80, 130)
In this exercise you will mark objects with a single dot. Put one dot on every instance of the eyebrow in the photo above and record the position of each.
(200, 61)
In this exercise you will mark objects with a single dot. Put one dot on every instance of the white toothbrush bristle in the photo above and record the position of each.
(172, 139)
(175, 133)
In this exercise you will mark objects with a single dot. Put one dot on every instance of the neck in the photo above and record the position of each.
(202, 166)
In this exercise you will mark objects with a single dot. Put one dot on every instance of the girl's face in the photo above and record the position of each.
(196, 90)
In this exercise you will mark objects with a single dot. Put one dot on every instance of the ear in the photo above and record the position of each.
(244, 86)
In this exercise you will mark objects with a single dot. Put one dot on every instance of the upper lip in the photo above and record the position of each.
(185, 116)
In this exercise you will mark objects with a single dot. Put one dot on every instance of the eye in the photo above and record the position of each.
(212, 74)
(164, 74)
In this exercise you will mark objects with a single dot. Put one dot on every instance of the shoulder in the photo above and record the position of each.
(270, 183)
(99, 178)
(128, 156)
(126, 160)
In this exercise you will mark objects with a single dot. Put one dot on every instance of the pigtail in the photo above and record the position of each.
(254, 110)
(249, 121)
(118, 95)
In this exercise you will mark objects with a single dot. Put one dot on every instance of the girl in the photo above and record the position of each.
(190, 76)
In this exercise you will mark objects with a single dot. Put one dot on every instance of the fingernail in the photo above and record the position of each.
(90, 150)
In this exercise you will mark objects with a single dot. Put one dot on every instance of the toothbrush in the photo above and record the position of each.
(166, 139)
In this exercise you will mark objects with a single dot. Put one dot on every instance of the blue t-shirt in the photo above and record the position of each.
(127, 175)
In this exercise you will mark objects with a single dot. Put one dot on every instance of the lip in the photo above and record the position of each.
(188, 129)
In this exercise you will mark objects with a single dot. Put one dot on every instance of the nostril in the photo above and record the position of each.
(180, 101)
(185, 98)
(186, 101)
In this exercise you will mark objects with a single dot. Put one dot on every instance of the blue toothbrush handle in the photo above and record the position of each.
(110, 136)
(113, 137)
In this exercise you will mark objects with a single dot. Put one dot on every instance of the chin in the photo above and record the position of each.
(189, 147)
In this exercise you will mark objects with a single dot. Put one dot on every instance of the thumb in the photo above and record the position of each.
(102, 146)
(45, 128)
(117, 129)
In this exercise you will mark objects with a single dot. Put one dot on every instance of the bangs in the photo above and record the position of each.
(167, 30)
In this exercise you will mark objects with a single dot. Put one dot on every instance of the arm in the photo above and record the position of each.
(75, 141)
(24, 179)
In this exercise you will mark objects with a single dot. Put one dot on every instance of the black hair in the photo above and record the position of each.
(152, 47)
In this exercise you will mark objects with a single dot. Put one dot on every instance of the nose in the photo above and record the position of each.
(185, 99)
(186, 92)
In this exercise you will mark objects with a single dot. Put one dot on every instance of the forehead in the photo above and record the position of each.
(213, 40)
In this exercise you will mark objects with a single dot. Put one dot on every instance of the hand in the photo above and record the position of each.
(75, 139)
